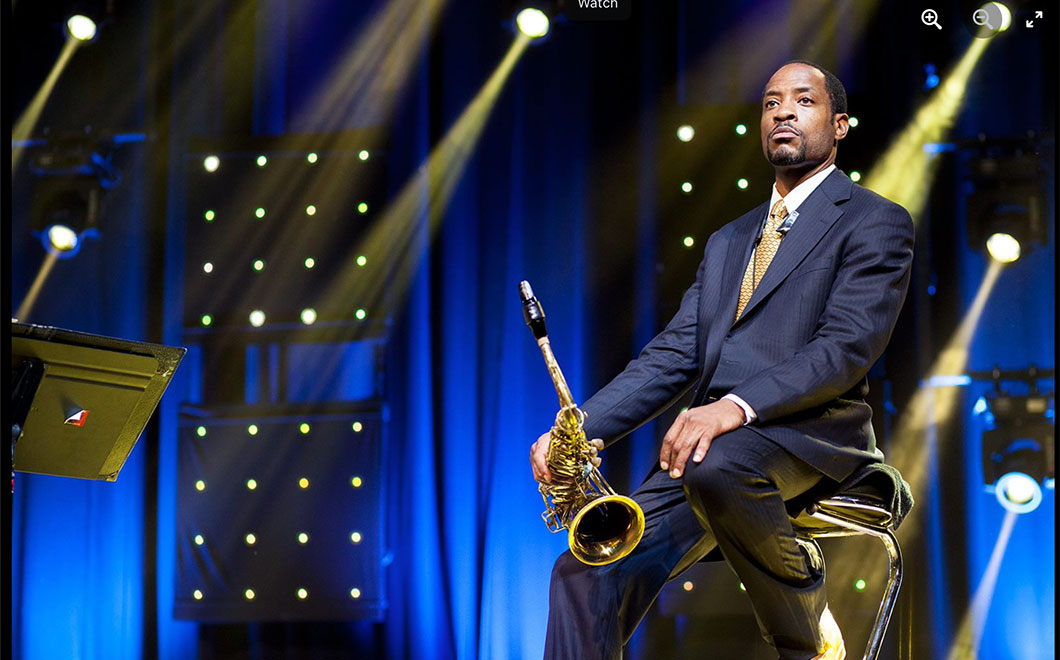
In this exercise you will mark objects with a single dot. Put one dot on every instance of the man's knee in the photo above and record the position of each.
(722, 475)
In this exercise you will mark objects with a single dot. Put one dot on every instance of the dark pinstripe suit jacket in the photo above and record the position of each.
(799, 355)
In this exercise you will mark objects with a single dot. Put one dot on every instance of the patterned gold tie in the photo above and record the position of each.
(763, 256)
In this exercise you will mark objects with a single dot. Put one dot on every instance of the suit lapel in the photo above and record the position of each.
(816, 215)
(737, 256)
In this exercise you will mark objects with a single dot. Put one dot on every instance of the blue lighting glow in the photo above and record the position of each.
(949, 381)
(931, 77)
(980, 406)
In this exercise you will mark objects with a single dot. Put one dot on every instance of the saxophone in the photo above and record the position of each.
(602, 526)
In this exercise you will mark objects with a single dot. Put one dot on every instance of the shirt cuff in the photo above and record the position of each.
(748, 412)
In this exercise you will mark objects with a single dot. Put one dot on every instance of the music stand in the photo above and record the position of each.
(80, 401)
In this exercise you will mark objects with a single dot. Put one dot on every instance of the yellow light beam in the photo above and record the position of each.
(360, 90)
(22, 314)
(932, 405)
(364, 85)
(970, 633)
(395, 233)
(905, 173)
(28, 120)
(401, 236)
(916, 434)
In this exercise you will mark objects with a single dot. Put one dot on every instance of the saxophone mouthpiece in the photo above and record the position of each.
(525, 292)
(532, 312)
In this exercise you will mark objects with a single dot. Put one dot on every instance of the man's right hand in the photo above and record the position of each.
(539, 457)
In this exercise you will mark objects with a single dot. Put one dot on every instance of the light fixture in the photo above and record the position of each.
(532, 22)
(81, 28)
(1017, 448)
(685, 133)
(1003, 247)
(66, 211)
(1005, 213)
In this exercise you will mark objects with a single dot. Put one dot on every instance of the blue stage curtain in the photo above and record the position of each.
(471, 554)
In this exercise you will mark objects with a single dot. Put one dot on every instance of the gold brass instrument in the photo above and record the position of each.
(602, 526)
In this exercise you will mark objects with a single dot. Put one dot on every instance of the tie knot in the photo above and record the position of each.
(779, 211)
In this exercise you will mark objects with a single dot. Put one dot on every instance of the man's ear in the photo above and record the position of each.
(842, 125)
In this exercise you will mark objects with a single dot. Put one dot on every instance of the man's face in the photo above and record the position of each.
(798, 127)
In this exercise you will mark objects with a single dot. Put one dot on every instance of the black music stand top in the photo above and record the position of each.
(81, 401)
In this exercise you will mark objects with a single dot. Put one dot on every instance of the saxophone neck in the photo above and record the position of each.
(566, 399)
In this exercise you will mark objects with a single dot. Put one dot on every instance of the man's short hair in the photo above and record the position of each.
(837, 94)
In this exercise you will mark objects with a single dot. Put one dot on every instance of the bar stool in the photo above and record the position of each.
(872, 502)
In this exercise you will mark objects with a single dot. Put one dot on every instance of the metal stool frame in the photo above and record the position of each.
(851, 515)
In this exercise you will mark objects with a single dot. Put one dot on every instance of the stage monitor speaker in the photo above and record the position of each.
(81, 401)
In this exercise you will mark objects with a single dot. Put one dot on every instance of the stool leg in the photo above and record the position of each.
(894, 581)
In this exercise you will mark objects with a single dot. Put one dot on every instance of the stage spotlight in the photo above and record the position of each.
(1018, 451)
(855, 176)
(65, 212)
(211, 163)
(532, 22)
(853, 121)
(62, 238)
(685, 133)
(741, 129)
(1018, 492)
(81, 28)
(994, 12)
(1003, 247)
(1006, 213)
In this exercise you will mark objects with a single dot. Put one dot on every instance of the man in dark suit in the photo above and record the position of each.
(792, 304)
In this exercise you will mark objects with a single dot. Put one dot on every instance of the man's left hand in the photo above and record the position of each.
(694, 429)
